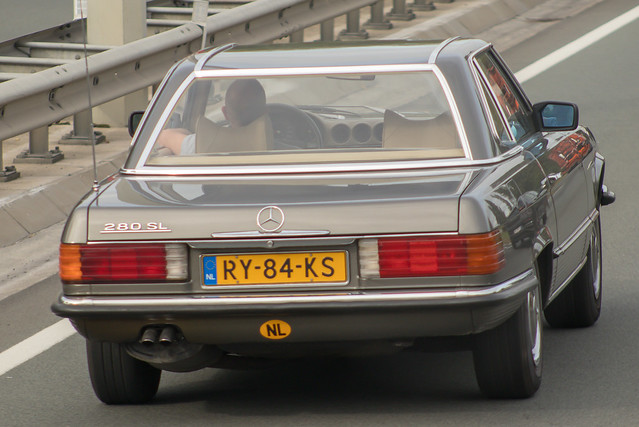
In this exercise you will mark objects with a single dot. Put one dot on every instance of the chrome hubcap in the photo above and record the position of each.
(534, 326)
(595, 258)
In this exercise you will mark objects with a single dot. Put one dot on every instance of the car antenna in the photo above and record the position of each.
(96, 185)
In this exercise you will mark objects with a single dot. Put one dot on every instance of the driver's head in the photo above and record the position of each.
(245, 101)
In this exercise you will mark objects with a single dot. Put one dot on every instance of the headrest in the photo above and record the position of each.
(213, 138)
(402, 132)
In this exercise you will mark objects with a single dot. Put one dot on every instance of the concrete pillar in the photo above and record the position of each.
(8, 173)
(38, 151)
(352, 31)
(377, 20)
(81, 133)
(115, 23)
(327, 30)
(296, 37)
(423, 5)
(399, 11)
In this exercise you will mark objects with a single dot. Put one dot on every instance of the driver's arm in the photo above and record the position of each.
(172, 139)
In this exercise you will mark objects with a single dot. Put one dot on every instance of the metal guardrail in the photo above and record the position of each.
(45, 97)
(30, 102)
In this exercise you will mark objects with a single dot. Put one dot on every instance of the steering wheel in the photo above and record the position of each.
(293, 128)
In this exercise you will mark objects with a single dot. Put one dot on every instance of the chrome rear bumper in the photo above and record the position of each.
(353, 316)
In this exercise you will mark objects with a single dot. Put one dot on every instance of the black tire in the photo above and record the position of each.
(508, 358)
(579, 304)
(118, 378)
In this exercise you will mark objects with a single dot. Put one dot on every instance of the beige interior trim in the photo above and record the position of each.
(305, 157)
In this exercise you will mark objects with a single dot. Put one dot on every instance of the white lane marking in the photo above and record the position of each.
(574, 47)
(34, 345)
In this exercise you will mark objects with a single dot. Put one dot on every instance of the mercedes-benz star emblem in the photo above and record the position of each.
(270, 219)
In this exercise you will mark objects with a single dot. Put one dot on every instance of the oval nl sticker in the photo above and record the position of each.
(275, 329)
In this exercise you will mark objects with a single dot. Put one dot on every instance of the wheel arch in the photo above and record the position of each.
(600, 171)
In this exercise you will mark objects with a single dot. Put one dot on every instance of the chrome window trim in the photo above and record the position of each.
(456, 114)
(163, 118)
(477, 69)
(152, 103)
(434, 54)
(312, 71)
(520, 281)
(481, 83)
(460, 169)
(201, 63)
(141, 168)
(323, 168)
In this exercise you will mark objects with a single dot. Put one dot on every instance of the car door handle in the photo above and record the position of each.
(553, 177)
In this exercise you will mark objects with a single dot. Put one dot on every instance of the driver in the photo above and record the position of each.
(244, 103)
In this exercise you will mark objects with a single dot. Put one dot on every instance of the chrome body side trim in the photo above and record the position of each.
(260, 234)
(568, 280)
(583, 227)
(119, 303)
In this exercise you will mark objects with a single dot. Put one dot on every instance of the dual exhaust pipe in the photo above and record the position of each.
(165, 336)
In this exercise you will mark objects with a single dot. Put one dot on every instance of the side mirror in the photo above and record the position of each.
(553, 116)
(134, 121)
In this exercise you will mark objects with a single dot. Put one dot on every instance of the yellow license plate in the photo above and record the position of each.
(275, 268)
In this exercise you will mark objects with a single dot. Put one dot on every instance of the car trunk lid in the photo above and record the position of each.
(137, 208)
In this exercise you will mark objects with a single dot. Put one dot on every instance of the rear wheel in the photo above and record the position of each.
(508, 358)
(119, 378)
(579, 304)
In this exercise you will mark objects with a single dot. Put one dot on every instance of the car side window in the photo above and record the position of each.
(512, 105)
(495, 115)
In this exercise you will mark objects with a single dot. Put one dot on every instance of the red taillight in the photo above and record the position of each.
(435, 256)
(116, 263)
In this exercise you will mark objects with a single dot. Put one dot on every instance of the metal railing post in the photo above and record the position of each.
(423, 5)
(352, 31)
(9, 173)
(81, 133)
(377, 20)
(399, 11)
(327, 30)
(56, 93)
(296, 37)
(38, 151)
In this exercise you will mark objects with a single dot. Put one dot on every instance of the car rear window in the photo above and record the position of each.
(307, 120)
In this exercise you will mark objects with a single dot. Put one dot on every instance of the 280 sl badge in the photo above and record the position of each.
(134, 227)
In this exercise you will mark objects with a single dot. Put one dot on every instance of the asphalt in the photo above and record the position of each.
(33, 207)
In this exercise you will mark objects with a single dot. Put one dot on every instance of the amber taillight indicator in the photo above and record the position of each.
(421, 256)
(117, 263)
